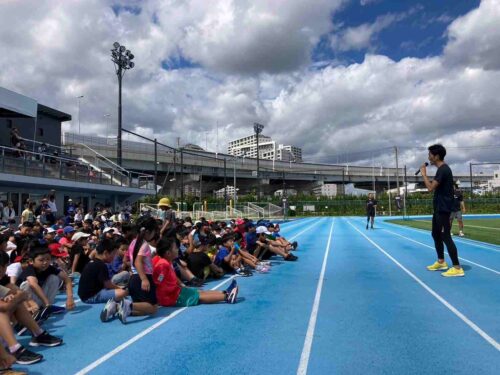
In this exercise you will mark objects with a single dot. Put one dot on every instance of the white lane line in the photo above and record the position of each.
(468, 225)
(306, 350)
(126, 344)
(459, 240)
(140, 335)
(431, 247)
(454, 310)
(305, 230)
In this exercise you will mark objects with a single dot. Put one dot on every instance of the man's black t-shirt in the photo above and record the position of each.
(82, 260)
(370, 207)
(42, 276)
(443, 195)
(92, 280)
(458, 198)
(197, 262)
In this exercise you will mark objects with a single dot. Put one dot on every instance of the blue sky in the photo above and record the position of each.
(420, 32)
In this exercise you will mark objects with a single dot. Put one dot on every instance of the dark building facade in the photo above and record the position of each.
(45, 128)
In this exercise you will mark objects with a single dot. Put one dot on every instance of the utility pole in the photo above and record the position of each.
(389, 192)
(373, 177)
(405, 196)
(156, 167)
(258, 130)
(234, 181)
(397, 168)
(182, 180)
(225, 183)
(175, 174)
(79, 97)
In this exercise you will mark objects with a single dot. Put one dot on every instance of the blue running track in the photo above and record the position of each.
(356, 302)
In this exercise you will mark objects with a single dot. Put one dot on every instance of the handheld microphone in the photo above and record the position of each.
(417, 172)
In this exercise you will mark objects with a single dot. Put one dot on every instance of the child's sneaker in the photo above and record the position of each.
(26, 357)
(243, 272)
(262, 269)
(461, 234)
(109, 310)
(231, 297)
(123, 310)
(54, 309)
(231, 286)
(45, 339)
(42, 315)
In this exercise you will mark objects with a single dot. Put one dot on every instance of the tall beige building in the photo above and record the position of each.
(268, 149)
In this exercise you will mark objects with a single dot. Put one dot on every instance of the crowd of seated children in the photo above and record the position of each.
(112, 262)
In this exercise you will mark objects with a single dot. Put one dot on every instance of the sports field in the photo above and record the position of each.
(486, 230)
(356, 302)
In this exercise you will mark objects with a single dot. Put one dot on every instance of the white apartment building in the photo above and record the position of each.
(268, 149)
(494, 184)
(229, 191)
(191, 190)
(325, 190)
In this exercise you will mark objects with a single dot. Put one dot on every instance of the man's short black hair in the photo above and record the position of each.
(38, 250)
(28, 224)
(438, 149)
(105, 245)
(227, 237)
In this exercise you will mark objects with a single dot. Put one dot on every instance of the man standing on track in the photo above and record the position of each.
(458, 210)
(371, 204)
(442, 186)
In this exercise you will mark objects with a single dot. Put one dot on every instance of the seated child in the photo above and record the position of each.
(12, 308)
(247, 258)
(169, 292)
(118, 268)
(228, 258)
(275, 233)
(265, 246)
(200, 263)
(141, 286)
(95, 285)
(42, 280)
(14, 270)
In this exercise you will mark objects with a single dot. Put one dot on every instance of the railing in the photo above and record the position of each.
(233, 212)
(261, 212)
(35, 164)
(272, 210)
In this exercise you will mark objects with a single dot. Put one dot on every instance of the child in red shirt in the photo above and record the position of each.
(169, 290)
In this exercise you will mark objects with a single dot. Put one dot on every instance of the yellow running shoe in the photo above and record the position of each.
(454, 272)
(438, 267)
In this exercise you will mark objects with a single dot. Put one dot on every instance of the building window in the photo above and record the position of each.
(40, 132)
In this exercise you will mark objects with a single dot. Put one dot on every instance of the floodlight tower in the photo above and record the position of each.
(122, 58)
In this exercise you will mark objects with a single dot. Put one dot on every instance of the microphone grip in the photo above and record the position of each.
(418, 172)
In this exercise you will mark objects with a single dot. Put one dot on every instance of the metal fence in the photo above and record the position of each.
(26, 163)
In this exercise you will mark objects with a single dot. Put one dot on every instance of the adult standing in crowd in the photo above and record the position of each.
(371, 205)
(458, 210)
(442, 186)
